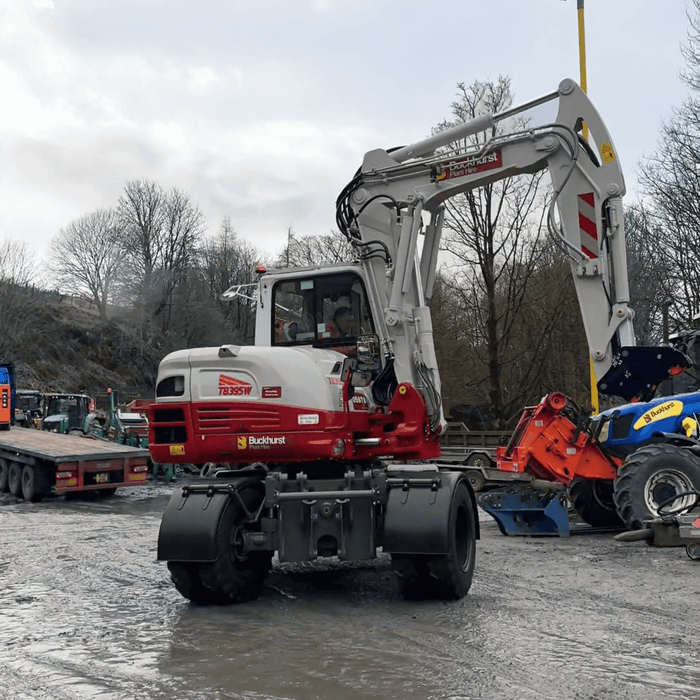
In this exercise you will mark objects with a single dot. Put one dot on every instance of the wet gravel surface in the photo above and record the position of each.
(88, 612)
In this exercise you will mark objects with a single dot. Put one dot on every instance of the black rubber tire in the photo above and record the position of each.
(413, 572)
(185, 576)
(14, 480)
(476, 480)
(445, 577)
(593, 500)
(32, 484)
(4, 476)
(651, 475)
(233, 577)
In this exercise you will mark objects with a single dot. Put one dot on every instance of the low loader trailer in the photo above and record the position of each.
(35, 464)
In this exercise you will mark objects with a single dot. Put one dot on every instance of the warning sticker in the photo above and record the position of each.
(607, 153)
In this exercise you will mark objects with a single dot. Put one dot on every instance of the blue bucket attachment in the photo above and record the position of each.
(528, 511)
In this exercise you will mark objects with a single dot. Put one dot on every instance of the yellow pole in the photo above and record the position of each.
(582, 46)
(584, 86)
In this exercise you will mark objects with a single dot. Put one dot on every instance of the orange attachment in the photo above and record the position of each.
(547, 445)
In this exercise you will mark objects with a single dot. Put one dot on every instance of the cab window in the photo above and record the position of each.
(325, 311)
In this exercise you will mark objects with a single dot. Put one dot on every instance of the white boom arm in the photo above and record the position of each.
(381, 211)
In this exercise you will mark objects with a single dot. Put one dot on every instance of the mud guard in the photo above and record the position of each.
(528, 511)
(417, 513)
(191, 520)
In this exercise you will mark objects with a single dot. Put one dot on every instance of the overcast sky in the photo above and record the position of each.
(263, 109)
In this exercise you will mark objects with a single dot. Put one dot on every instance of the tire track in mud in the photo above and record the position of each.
(76, 578)
(618, 618)
(89, 613)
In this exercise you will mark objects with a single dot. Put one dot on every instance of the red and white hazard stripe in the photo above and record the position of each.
(590, 245)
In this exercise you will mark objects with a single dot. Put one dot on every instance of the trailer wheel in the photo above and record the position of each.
(593, 500)
(4, 475)
(449, 576)
(31, 484)
(476, 479)
(479, 460)
(652, 475)
(235, 576)
(14, 480)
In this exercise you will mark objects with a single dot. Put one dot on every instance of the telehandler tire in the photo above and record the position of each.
(235, 576)
(449, 576)
(593, 500)
(652, 475)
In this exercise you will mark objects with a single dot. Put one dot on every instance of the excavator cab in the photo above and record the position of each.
(322, 310)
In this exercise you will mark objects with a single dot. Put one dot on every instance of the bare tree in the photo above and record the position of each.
(226, 261)
(493, 235)
(86, 258)
(17, 273)
(160, 233)
(315, 250)
(671, 180)
(650, 275)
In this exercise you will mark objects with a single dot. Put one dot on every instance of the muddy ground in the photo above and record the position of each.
(88, 612)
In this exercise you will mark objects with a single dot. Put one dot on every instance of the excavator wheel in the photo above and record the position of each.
(235, 576)
(449, 576)
(593, 500)
(652, 475)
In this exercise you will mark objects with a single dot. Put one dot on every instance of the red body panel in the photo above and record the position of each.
(249, 431)
(545, 444)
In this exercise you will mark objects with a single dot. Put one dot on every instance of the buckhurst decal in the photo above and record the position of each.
(260, 442)
(667, 409)
(228, 386)
(469, 165)
(271, 392)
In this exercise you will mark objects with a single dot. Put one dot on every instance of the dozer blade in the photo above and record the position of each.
(527, 511)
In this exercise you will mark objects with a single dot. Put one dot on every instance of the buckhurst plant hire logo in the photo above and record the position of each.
(468, 165)
(228, 386)
(667, 409)
(261, 442)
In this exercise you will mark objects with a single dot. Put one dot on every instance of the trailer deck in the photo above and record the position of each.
(36, 463)
(60, 448)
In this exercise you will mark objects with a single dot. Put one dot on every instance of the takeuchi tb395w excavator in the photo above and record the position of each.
(343, 378)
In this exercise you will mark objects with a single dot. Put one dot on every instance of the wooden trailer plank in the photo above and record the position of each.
(64, 448)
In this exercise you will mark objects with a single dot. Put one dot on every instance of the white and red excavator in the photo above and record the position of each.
(342, 384)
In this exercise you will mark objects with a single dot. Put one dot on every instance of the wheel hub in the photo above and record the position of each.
(664, 485)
